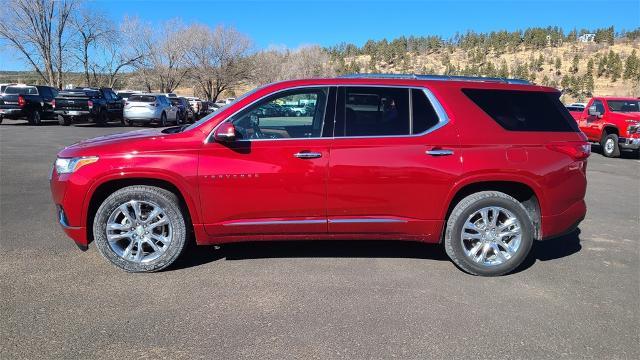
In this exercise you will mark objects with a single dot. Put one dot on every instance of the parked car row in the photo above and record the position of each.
(36, 103)
(611, 122)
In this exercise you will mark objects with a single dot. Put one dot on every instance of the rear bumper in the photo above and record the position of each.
(82, 115)
(629, 143)
(12, 113)
(565, 222)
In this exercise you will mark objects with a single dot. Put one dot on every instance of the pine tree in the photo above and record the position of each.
(574, 64)
(590, 67)
(588, 84)
(631, 66)
(558, 66)
(503, 72)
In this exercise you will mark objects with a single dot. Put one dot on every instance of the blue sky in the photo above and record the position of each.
(294, 23)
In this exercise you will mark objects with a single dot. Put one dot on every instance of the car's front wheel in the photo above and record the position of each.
(488, 233)
(610, 146)
(140, 228)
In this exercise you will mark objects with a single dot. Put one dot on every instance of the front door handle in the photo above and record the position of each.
(439, 152)
(307, 155)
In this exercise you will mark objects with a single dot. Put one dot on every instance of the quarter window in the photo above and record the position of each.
(292, 114)
(424, 115)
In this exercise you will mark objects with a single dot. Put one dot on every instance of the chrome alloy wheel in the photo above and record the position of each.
(139, 231)
(491, 236)
(609, 145)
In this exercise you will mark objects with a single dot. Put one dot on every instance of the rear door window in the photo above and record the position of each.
(524, 110)
(374, 111)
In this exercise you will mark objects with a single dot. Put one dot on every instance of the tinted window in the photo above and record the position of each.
(22, 90)
(142, 98)
(624, 105)
(524, 110)
(424, 116)
(45, 92)
(371, 111)
(273, 118)
(599, 106)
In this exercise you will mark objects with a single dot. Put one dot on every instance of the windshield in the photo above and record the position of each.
(175, 101)
(22, 90)
(206, 118)
(624, 105)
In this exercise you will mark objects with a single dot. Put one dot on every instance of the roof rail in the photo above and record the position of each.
(436, 77)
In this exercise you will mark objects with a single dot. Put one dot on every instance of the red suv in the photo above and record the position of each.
(484, 166)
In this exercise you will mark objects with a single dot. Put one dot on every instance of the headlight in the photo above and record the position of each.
(633, 127)
(69, 165)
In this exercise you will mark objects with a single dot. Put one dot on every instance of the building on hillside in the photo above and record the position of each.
(587, 38)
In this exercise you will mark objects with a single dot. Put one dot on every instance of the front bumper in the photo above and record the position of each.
(67, 196)
(77, 233)
(629, 143)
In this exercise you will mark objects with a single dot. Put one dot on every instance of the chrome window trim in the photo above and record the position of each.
(443, 118)
(210, 136)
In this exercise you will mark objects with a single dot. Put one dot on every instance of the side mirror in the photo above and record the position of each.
(226, 132)
(594, 112)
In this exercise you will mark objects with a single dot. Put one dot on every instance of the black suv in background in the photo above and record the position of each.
(33, 102)
(88, 104)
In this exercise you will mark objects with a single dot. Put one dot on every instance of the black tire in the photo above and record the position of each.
(35, 118)
(171, 206)
(608, 149)
(469, 205)
(64, 121)
(127, 122)
(163, 120)
(101, 119)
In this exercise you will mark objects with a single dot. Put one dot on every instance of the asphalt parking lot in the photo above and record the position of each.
(575, 297)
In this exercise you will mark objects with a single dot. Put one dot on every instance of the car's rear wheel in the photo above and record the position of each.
(102, 118)
(64, 121)
(488, 233)
(610, 146)
(163, 120)
(140, 228)
(35, 118)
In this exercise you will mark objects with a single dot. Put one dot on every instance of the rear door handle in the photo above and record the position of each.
(439, 152)
(307, 155)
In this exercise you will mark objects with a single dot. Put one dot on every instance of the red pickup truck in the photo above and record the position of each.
(613, 122)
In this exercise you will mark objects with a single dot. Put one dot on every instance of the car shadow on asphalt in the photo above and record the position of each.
(595, 148)
(199, 255)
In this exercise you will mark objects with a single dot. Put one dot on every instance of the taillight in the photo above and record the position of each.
(53, 103)
(90, 104)
(21, 101)
(577, 150)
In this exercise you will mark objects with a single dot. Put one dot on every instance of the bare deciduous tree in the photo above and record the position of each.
(92, 28)
(38, 30)
(163, 66)
(277, 64)
(218, 58)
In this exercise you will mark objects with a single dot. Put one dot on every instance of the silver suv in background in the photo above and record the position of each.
(148, 108)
